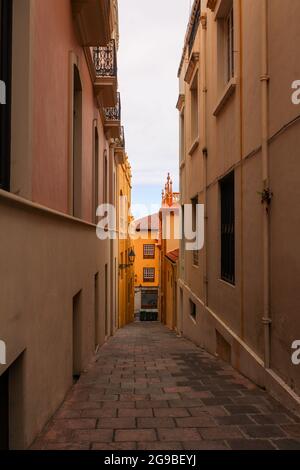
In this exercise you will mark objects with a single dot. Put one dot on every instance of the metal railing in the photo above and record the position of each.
(104, 59)
(113, 113)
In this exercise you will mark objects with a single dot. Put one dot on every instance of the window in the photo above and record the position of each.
(6, 12)
(194, 202)
(194, 109)
(77, 143)
(122, 266)
(182, 139)
(105, 176)
(229, 28)
(96, 174)
(149, 274)
(193, 310)
(225, 43)
(227, 229)
(149, 251)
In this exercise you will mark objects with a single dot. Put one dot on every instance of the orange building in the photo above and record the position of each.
(147, 265)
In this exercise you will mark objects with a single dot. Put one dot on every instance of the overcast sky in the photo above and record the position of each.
(151, 40)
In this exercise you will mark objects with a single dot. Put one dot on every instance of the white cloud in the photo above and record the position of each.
(151, 41)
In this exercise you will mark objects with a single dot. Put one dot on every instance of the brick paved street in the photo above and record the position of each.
(149, 389)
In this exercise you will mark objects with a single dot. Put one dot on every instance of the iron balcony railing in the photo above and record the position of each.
(113, 113)
(104, 59)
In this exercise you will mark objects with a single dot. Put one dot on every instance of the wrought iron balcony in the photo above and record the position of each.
(113, 113)
(112, 116)
(120, 140)
(120, 147)
(104, 59)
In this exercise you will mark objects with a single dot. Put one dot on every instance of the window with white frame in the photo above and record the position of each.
(149, 251)
(149, 274)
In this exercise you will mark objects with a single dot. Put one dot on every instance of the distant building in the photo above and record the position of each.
(147, 265)
(169, 233)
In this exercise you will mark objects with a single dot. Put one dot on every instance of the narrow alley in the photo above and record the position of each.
(149, 389)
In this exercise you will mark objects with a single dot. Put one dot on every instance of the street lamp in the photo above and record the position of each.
(131, 257)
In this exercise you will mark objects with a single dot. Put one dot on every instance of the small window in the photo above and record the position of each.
(193, 310)
(105, 177)
(194, 202)
(182, 137)
(149, 251)
(227, 229)
(149, 274)
(122, 266)
(229, 31)
(194, 110)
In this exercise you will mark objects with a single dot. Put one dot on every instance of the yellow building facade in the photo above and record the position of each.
(147, 264)
(125, 245)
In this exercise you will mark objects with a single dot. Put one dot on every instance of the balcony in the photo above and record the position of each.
(92, 21)
(120, 147)
(112, 119)
(104, 73)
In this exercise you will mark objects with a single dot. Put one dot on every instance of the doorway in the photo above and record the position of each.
(77, 307)
(4, 411)
(12, 406)
(96, 307)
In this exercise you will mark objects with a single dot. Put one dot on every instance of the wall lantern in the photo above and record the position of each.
(131, 258)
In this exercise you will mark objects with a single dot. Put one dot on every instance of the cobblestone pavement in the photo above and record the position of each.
(149, 389)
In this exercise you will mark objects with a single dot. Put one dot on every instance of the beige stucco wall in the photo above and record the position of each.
(48, 259)
(233, 139)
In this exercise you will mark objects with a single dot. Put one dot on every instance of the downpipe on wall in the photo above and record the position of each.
(266, 195)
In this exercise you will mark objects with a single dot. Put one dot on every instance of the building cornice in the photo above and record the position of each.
(195, 8)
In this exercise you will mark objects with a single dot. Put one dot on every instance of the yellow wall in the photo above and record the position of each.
(141, 263)
(126, 274)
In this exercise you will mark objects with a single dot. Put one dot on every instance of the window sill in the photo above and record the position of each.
(229, 90)
(227, 283)
(194, 146)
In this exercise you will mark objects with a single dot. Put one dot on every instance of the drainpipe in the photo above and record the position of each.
(266, 195)
(241, 137)
(205, 153)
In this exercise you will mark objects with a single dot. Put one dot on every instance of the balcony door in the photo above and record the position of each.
(5, 91)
